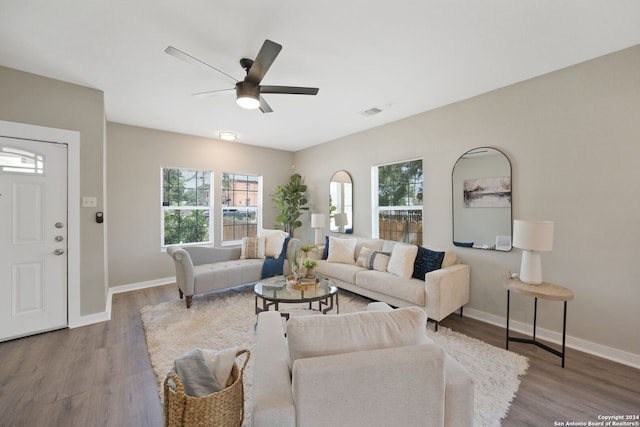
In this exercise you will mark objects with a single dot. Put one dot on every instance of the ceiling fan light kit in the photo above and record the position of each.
(248, 91)
(248, 95)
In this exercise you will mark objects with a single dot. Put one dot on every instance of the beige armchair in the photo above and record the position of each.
(364, 369)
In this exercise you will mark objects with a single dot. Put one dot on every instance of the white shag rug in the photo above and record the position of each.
(226, 319)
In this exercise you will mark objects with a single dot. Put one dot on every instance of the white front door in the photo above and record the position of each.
(33, 237)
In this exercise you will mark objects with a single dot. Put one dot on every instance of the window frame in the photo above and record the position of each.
(377, 209)
(240, 208)
(208, 207)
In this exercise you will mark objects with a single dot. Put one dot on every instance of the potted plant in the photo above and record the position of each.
(305, 249)
(310, 265)
(290, 201)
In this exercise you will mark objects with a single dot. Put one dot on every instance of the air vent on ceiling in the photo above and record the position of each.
(371, 112)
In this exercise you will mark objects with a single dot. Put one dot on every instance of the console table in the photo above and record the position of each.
(546, 291)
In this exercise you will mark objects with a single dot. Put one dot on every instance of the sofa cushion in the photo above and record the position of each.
(252, 248)
(412, 290)
(426, 261)
(450, 258)
(344, 272)
(361, 242)
(313, 336)
(402, 259)
(342, 250)
(221, 275)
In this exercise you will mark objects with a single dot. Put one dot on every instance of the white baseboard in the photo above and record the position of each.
(105, 316)
(579, 344)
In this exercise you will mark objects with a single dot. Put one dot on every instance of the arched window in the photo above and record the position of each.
(13, 160)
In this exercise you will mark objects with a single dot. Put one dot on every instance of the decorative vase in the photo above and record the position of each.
(311, 272)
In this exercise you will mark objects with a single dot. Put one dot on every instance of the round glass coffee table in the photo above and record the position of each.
(273, 291)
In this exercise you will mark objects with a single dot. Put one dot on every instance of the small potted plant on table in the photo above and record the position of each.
(310, 267)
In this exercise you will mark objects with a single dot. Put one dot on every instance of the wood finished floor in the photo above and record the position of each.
(100, 375)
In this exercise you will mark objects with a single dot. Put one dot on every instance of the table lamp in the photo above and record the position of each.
(340, 219)
(532, 237)
(318, 221)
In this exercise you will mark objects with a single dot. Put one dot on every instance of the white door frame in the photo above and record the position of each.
(72, 139)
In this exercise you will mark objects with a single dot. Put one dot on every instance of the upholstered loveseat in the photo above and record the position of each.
(399, 274)
(361, 369)
(202, 269)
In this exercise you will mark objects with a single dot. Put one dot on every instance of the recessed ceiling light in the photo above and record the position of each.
(228, 136)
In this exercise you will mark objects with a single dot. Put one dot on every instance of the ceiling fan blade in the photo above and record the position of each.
(289, 90)
(210, 93)
(268, 53)
(264, 107)
(195, 61)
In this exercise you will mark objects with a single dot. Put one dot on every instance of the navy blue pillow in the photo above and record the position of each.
(426, 261)
(463, 244)
(325, 253)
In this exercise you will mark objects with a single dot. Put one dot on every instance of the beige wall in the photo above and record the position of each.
(573, 138)
(135, 156)
(36, 100)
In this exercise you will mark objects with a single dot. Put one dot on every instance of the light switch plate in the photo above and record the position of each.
(89, 202)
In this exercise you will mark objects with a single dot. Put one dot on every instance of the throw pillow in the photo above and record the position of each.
(426, 261)
(402, 259)
(274, 240)
(325, 252)
(342, 250)
(252, 248)
(379, 261)
(363, 257)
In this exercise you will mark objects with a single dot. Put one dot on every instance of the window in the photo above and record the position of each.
(20, 161)
(186, 207)
(398, 201)
(241, 196)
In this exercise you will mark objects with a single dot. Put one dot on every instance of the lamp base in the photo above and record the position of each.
(531, 268)
(318, 236)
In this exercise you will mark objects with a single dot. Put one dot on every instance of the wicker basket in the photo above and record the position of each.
(224, 408)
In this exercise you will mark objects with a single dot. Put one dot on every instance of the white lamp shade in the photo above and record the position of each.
(318, 220)
(340, 219)
(533, 235)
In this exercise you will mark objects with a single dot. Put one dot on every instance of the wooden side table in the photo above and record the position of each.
(546, 291)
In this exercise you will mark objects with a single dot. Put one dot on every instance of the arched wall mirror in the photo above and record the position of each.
(341, 203)
(481, 182)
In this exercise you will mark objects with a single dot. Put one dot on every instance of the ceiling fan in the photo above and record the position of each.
(249, 91)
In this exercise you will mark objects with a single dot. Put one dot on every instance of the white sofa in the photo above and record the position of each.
(362, 369)
(442, 291)
(202, 269)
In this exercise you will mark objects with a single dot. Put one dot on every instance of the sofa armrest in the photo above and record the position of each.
(184, 269)
(272, 397)
(401, 386)
(447, 290)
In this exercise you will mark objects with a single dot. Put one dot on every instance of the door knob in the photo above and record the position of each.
(59, 224)
(58, 251)
(58, 238)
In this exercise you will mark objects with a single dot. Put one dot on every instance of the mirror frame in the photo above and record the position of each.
(348, 228)
(453, 203)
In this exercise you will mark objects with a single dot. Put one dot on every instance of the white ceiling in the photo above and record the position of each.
(404, 56)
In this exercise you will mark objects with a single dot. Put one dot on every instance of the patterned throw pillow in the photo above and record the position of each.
(379, 260)
(426, 261)
(252, 248)
(363, 257)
